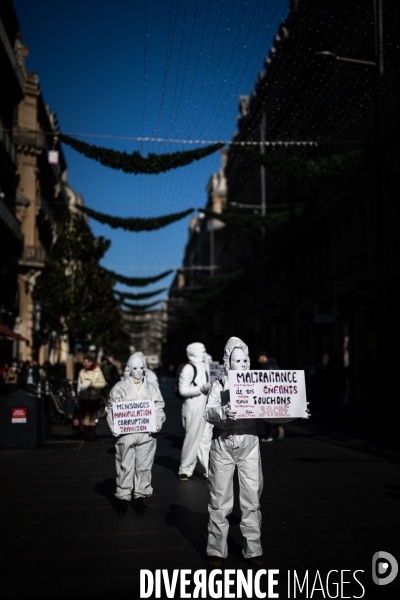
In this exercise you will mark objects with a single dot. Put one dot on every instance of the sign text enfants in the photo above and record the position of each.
(268, 394)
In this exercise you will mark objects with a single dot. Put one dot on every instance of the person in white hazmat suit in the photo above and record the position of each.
(235, 444)
(193, 387)
(134, 452)
(151, 376)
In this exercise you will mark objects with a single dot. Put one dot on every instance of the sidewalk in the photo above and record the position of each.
(324, 507)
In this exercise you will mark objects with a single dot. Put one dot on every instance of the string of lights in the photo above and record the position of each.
(288, 125)
(244, 44)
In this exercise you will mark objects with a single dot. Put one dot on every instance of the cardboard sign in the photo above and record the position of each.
(216, 371)
(268, 394)
(18, 415)
(134, 416)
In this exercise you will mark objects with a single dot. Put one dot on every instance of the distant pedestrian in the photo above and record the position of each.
(30, 375)
(90, 383)
(3, 374)
(12, 378)
(110, 373)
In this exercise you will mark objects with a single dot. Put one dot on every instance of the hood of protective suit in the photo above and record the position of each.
(195, 352)
(128, 368)
(230, 346)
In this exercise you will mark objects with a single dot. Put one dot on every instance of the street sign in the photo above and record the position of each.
(53, 157)
(268, 394)
(18, 415)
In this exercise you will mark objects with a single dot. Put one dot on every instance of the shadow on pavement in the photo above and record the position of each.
(176, 441)
(190, 525)
(168, 462)
(106, 489)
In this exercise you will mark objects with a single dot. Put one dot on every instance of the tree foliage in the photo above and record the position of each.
(76, 294)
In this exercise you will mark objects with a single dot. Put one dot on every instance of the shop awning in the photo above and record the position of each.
(8, 334)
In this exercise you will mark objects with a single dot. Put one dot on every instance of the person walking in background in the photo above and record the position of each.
(267, 362)
(193, 385)
(12, 378)
(90, 383)
(30, 375)
(3, 375)
(110, 373)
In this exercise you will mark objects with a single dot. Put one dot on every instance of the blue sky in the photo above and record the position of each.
(162, 68)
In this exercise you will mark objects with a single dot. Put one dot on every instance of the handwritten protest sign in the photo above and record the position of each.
(134, 416)
(268, 394)
(216, 371)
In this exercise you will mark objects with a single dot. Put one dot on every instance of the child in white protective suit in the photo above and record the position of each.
(134, 452)
(235, 444)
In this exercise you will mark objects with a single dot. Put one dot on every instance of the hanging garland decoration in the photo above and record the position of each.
(250, 220)
(137, 281)
(135, 223)
(139, 308)
(128, 296)
(135, 162)
(182, 312)
(298, 167)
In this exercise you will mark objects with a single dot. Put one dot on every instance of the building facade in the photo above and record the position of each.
(314, 277)
(11, 237)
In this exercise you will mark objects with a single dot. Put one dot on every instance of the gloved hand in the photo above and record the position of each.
(229, 413)
(205, 387)
(83, 387)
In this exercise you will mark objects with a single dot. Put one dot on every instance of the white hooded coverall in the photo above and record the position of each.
(134, 452)
(150, 375)
(235, 443)
(196, 445)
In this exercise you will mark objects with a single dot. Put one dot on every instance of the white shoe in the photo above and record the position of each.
(270, 439)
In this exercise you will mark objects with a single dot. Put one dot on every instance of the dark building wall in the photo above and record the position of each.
(321, 286)
(11, 85)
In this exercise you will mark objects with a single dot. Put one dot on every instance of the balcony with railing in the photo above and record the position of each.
(33, 256)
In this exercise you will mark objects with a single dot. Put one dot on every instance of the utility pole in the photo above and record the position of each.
(263, 287)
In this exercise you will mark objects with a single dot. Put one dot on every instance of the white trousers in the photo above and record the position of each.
(134, 457)
(196, 445)
(227, 452)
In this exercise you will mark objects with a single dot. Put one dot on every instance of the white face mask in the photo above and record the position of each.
(239, 360)
(137, 368)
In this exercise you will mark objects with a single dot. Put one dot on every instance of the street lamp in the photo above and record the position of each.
(333, 56)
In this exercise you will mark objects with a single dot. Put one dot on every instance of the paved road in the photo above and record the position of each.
(324, 507)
